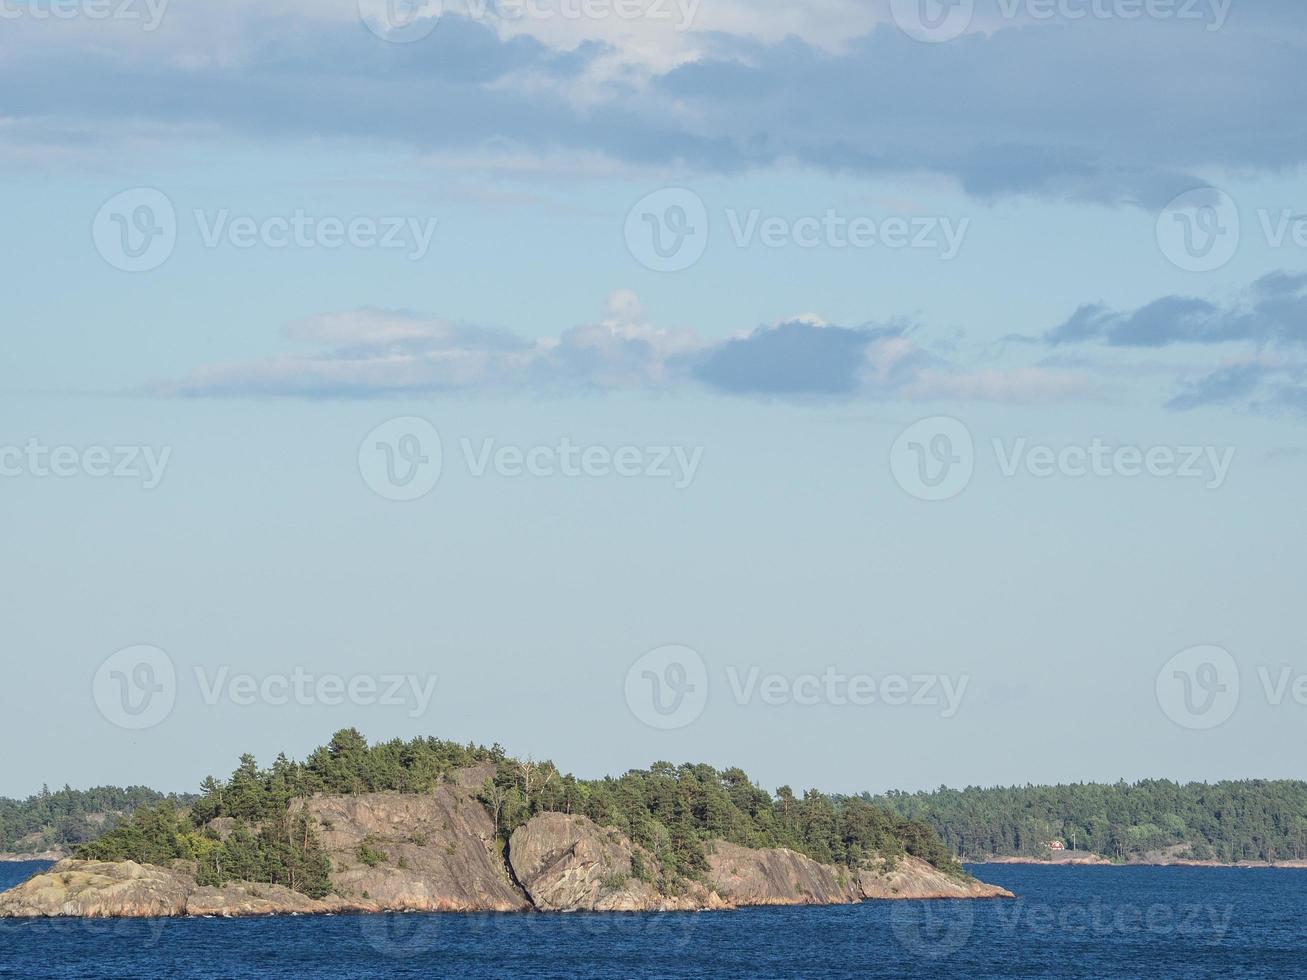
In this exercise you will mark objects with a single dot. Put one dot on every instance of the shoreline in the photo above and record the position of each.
(1098, 861)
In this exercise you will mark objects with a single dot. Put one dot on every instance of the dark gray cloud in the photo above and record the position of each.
(1116, 111)
(795, 358)
(1272, 310)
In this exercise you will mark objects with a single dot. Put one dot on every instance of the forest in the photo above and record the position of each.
(672, 810)
(68, 817)
(1248, 820)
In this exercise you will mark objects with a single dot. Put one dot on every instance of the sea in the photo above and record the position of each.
(1066, 922)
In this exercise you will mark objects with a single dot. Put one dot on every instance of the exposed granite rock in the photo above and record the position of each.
(568, 863)
(777, 876)
(440, 849)
(914, 878)
(242, 898)
(99, 889)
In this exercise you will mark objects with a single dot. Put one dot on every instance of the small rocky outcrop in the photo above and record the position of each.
(568, 863)
(776, 876)
(911, 877)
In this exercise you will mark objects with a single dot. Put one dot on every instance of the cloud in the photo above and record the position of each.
(1272, 310)
(1082, 110)
(799, 357)
(372, 353)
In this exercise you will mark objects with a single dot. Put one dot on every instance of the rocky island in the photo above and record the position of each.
(433, 826)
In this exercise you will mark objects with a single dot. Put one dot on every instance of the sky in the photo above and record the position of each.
(873, 395)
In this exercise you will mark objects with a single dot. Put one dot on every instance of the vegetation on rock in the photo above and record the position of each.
(247, 828)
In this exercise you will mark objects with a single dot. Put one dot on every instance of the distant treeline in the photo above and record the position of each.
(248, 826)
(1250, 820)
(69, 817)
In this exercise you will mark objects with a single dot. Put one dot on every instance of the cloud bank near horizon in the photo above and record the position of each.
(375, 353)
(1001, 111)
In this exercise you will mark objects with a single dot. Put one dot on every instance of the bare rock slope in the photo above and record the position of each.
(569, 863)
(437, 851)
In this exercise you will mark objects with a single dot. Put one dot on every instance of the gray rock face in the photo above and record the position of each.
(777, 876)
(439, 849)
(914, 878)
(569, 863)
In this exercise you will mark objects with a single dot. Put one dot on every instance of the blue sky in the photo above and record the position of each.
(765, 238)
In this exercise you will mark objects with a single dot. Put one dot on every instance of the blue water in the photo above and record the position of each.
(1068, 922)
